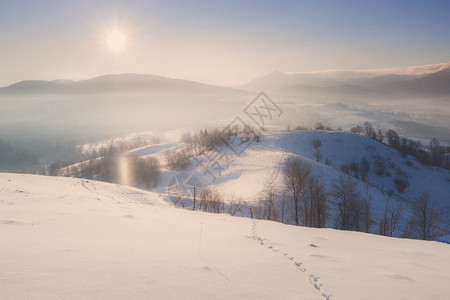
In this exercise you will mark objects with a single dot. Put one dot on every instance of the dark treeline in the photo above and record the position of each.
(432, 154)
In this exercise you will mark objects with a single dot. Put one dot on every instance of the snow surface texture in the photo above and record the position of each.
(78, 239)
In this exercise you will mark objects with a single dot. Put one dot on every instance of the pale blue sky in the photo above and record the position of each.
(219, 42)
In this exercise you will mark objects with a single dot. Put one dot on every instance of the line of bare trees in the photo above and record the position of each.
(432, 154)
(205, 140)
(179, 160)
(197, 144)
(304, 200)
(353, 210)
(307, 193)
(312, 203)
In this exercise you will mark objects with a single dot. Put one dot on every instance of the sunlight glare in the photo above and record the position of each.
(124, 171)
(116, 41)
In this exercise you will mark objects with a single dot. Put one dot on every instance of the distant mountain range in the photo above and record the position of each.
(427, 81)
(421, 82)
(113, 84)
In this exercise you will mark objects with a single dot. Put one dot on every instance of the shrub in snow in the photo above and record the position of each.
(379, 165)
(401, 181)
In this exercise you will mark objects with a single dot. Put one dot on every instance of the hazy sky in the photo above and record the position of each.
(218, 42)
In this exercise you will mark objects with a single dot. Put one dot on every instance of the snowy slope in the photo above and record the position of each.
(245, 176)
(78, 239)
(344, 148)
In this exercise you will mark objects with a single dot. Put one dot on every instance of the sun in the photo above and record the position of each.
(116, 41)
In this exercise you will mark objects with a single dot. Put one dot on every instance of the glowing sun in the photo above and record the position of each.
(116, 41)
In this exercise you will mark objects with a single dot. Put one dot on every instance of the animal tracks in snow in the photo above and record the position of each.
(94, 190)
(313, 279)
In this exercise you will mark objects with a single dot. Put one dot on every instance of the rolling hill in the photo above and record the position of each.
(245, 176)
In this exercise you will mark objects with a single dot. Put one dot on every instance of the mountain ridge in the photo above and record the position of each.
(126, 82)
(418, 81)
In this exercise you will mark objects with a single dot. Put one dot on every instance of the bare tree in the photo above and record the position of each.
(368, 130)
(234, 206)
(257, 209)
(401, 181)
(357, 129)
(179, 159)
(436, 151)
(194, 192)
(425, 218)
(390, 219)
(348, 204)
(269, 196)
(317, 143)
(366, 215)
(317, 154)
(364, 169)
(393, 138)
(283, 207)
(380, 167)
(380, 136)
(315, 206)
(211, 201)
(296, 174)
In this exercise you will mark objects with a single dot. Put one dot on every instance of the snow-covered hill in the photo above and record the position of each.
(246, 175)
(78, 239)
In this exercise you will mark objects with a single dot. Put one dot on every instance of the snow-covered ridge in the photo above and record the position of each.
(78, 239)
(246, 175)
